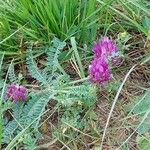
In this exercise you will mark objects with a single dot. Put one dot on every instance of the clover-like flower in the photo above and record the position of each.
(106, 47)
(16, 93)
(99, 71)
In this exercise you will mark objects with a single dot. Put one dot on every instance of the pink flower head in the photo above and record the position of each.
(16, 93)
(105, 47)
(99, 71)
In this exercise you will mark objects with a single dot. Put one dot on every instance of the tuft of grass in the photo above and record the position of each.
(49, 18)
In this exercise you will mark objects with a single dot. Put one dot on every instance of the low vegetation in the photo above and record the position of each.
(74, 74)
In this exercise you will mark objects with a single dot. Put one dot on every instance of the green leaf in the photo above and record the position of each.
(33, 69)
(140, 107)
(142, 104)
(145, 126)
(146, 22)
(143, 143)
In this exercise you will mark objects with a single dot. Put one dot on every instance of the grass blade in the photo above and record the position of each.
(73, 43)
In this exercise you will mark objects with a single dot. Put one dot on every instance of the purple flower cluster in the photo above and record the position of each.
(105, 47)
(99, 70)
(16, 93)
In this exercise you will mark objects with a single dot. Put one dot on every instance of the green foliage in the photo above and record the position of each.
(54, 84)
(45, 76)
(143, 104)
(3, 104)
(24, 21)
(11, 74)
(72, 116)
(53, 54)
(81, 95)
(129, 15)
(42, 20)
(146, 25)
(1, 62)
(30, 141)
(78, 59)
(48, 18)
(33, 70)
(140, 107)
(24, 114)
(143, 142)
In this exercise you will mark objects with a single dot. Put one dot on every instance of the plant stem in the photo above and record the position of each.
(74, 46)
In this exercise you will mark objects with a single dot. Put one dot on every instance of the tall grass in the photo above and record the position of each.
(42, 20)
(128, 14)
(48, 18)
